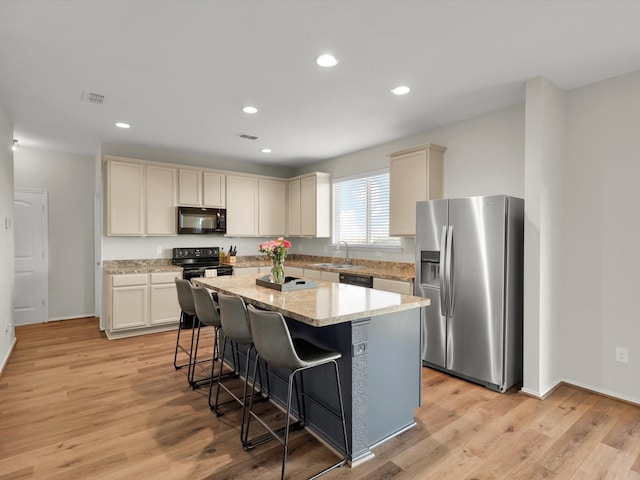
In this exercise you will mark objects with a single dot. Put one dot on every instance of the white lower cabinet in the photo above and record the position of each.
(330, 276)
(396, 286)
(314, 274)
(140, 303)
(293, 271)
(246, 270)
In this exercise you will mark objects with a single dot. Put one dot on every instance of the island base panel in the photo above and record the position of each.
(380, 377)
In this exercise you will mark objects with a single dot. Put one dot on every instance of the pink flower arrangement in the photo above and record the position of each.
(275, 249)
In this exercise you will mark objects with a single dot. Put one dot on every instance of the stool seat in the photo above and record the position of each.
(208, 316)
(235, 326)
(187, 312)
(273, 343)
(310, 355)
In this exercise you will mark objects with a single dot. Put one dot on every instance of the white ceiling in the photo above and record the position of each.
(180, 71)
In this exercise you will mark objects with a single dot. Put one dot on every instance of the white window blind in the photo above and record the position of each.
(361, 210)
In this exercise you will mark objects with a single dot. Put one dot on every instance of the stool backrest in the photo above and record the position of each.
(206, 309)
(272, 339)
(185, 297)
(234, 319)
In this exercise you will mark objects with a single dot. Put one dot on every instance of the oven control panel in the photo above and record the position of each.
(185, 253)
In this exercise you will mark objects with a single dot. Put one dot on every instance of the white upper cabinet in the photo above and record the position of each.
(141, 198)
(415, 174)
(125, 198)
(201, 188)
(213, 189)
(190, 187)
(272, 207)
(242, 206)
(293, 208)
(160, 200)
(309, 205)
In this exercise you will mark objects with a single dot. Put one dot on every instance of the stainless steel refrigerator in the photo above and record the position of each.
(469, 262)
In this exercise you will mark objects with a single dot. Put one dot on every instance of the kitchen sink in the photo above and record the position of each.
(342, 266)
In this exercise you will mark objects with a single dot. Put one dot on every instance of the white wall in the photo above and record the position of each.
(602, 242)
(544, 229)
(485, 156)
(69, 181)
(7, 333)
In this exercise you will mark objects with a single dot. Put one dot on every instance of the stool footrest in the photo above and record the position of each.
(271, 435)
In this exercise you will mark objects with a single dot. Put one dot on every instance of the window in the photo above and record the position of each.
(361, 210)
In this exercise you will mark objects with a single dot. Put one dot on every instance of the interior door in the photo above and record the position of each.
(31, 259)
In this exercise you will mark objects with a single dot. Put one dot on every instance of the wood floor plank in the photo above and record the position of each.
(74, 405)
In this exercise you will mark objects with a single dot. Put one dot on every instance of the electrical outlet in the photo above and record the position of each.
(358, 349)
(622, 354)
(158, 250)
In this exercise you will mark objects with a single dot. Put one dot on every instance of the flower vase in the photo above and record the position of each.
(277, 272)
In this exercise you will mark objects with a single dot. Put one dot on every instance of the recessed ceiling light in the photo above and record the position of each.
(402, 90)
(123, 125)
(266, 150)
(327, 60)
(250, 109)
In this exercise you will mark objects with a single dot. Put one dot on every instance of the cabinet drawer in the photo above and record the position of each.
(128, 280)
(165, 277)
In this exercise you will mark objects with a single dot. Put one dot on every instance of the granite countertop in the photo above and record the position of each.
(379, 269)
(328, 304)
(120, 267)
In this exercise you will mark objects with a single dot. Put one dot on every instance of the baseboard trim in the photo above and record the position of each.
(5, 360)
(73, 317)
(587, 388)
(605, 393)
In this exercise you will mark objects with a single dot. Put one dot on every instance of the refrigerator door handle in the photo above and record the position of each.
(450, 282)
(442, 279)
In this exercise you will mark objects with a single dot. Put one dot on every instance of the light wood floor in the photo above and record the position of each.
(75, 405)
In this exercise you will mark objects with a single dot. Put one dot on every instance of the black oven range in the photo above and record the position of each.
(194, 262)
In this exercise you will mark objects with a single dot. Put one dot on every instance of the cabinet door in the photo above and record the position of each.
(293, 271)
(293, 205)
(330, 276)
(164, 304)
(311, 273)
(271, 207)
(308, 206)
(125, 198)
(242, 206)
(396, 286)
(246, 271)
(161, 200)
(129, 307)
(213, 191)
(414, 175)
(190, 187)
(407, 185)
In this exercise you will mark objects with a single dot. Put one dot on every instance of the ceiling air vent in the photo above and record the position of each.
(248, 137)
(92, 97)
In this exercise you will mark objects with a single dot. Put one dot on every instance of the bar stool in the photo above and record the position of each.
(208, 316)
(235, 326)
(274, 344)
(187, 311)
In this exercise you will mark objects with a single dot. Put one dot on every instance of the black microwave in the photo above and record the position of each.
(202, 220)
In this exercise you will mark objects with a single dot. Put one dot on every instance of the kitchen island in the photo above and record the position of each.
(378, 334)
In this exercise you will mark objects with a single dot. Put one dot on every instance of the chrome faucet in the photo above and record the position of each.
(347, 260)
